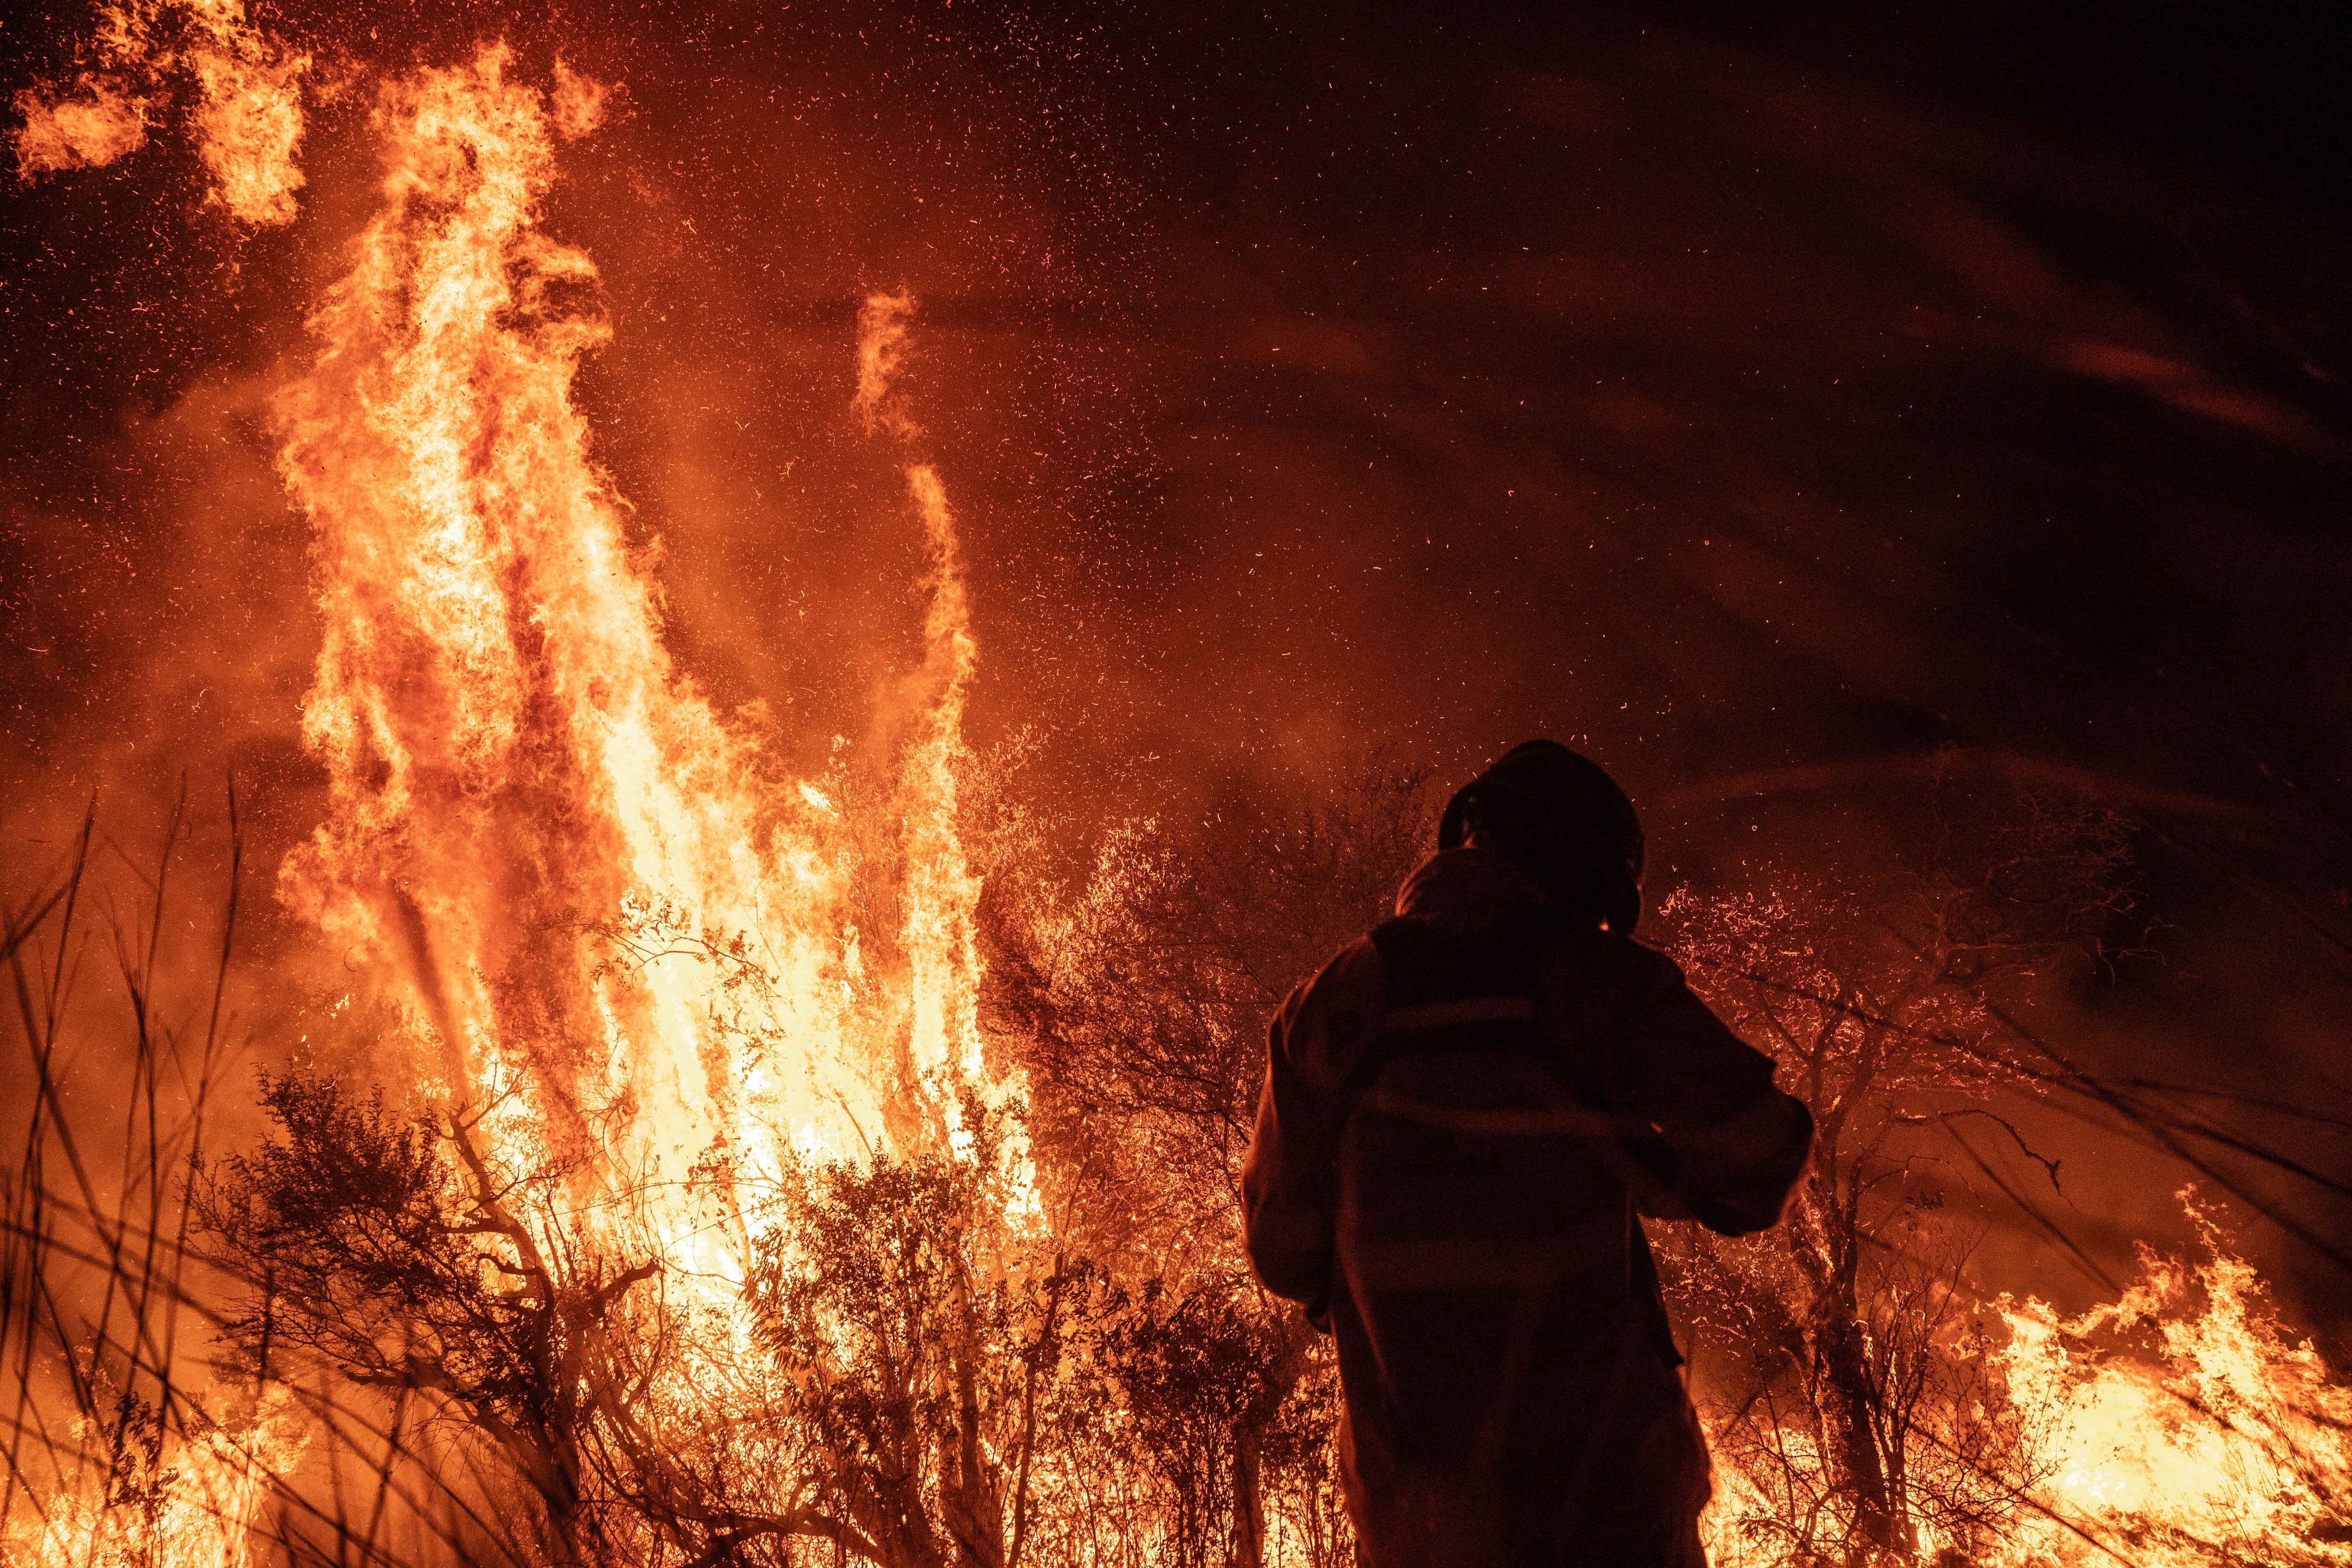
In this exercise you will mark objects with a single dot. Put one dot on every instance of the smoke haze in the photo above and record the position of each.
(1758, 412)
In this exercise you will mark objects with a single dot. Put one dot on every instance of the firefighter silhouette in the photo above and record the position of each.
(1464, 1115)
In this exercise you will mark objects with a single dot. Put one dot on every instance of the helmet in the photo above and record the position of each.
(1562, 817)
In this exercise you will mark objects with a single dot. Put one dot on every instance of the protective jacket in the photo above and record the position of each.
(1464, 1115)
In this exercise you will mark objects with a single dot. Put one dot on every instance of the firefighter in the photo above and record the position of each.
(1464, 1115)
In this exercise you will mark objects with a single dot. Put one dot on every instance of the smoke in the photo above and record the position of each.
(1303, 393)
(881, 344)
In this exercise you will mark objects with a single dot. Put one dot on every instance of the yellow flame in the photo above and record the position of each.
(89, 125)
(2227, 1441)
(519, 774)
(2235, 1438)
(208, 1496)
(247, 113)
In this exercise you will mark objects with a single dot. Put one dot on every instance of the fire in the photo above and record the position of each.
(247, 110)
(515, 763)
(2178, 1426)
(644, 967)
(93, 125)
(623, 940)
(193, 1510)
(2230, 1442)
(941, 893)
(624, 943)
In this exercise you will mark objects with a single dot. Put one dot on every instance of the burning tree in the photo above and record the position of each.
(888, 1402)
(918, 1352)
(1866, 1418)
(930, 1365)
(399, 1256)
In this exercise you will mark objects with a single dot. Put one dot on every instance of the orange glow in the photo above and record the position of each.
(511, 745)
(90, 126)
(623, 942)
(2209, 1435)
(248, 109)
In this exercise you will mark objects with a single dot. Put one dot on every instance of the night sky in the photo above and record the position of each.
(1759, 404)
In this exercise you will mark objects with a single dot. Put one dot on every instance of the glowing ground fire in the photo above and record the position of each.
(625, 946)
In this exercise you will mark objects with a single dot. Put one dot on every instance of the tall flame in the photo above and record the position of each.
(941, 894)
(515, 762)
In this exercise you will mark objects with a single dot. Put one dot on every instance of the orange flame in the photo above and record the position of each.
(2233, 1441)
(247, 114)
(90, 125)
(515, 762)
(881, 350)
(2224, 1441)
(941, 895)
(579, 103)
(218, 1479)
